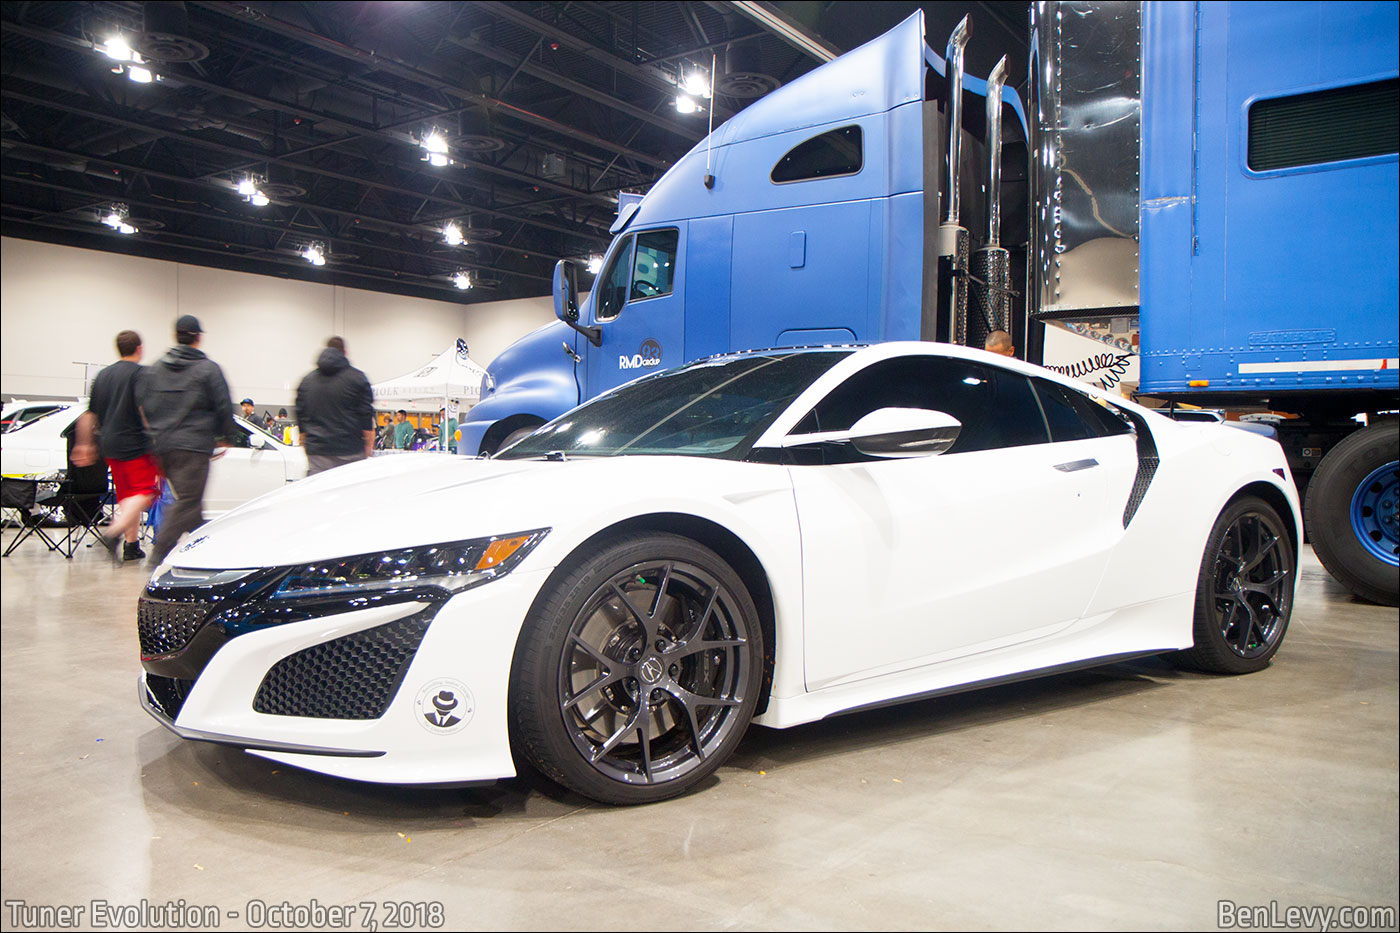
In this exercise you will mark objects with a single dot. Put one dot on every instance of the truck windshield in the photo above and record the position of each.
(707, 409)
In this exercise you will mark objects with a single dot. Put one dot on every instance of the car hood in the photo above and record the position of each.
(378, 504)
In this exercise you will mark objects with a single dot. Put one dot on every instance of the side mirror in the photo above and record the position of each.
(566, 300)
(892, 433)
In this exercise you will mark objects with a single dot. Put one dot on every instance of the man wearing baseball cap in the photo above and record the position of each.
(248, 408)
(186, 402)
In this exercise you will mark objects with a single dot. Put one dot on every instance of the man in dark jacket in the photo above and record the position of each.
(335, 411)
(113, 415)
(186, 403)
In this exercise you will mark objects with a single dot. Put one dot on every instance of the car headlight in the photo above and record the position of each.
(453, 566)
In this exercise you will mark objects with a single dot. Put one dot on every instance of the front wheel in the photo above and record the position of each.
(1244, 591)
(1353, 513)
(638, 672)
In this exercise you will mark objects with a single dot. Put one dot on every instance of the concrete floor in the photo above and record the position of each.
(1132, 797)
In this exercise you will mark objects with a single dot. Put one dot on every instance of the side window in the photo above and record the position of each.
(837, 152)
(997, 409)
(613, 283)
(1074, 416)
(654, 268)
(240, 437)
(1324, 126)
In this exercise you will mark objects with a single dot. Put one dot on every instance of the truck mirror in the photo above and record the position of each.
(566, 300)
(566, 291)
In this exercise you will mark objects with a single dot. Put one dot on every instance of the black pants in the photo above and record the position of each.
(187, 471)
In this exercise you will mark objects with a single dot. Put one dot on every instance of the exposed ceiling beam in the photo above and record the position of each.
(784, 27)
(379, 62)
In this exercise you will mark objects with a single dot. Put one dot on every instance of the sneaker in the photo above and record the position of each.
(113, 546)
(131, 550)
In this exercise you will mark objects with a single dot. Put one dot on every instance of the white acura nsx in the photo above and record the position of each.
(771, 537)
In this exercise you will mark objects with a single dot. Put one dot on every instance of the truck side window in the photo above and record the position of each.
(612, 284)
(654, 268)
(837, 152)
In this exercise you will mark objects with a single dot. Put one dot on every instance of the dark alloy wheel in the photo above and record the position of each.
(637, 675)
(1244, 592)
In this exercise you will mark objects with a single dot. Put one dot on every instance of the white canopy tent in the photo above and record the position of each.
(451, 377)
(451, 382)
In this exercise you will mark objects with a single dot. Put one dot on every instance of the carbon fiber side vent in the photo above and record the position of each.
(1147, 465)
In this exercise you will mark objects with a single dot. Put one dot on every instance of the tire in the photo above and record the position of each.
(1351, 513)
(491, 447)
(1244, 591)
(637, 673)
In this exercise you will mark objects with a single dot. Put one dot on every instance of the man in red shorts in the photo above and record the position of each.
(113, 415)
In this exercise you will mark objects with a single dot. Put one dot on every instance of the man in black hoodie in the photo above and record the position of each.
(188, 410)
(335, 411)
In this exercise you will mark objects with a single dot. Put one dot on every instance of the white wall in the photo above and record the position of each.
(61, 307)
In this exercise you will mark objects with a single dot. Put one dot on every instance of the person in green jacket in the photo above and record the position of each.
(447, 440)
(403, 430)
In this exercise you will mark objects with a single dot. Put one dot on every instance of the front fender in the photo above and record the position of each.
(532, 377)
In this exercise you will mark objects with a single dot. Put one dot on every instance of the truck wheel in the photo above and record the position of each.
(1353, 513)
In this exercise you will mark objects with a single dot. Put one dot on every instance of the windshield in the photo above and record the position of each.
(707, 409)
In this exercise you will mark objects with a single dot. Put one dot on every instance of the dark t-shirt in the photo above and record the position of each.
(113, 401)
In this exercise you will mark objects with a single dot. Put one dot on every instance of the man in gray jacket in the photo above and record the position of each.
(187, 407)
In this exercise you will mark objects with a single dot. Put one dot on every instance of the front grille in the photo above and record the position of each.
(355, 677)
(167, 627)
(168, 693)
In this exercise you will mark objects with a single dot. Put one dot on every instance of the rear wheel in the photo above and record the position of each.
(1353, 513)
(637, 674)
(1244, 591)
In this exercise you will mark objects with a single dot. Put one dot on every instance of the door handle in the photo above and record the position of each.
(1073, 465)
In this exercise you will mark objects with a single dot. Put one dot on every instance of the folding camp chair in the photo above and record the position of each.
(21, 498)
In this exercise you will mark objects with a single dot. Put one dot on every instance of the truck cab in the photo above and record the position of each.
(809, 218)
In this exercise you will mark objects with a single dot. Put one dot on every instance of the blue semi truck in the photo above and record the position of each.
(1218, 179)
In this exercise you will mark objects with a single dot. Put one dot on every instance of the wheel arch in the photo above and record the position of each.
(502, 429)
(1276, 499)
(703, 531)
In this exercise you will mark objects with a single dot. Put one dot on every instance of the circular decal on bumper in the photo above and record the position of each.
(444, 706)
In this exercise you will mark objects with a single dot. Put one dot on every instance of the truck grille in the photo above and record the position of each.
(167, 627)
(355, 677)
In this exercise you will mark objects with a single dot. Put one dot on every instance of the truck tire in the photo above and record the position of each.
(1351, 513)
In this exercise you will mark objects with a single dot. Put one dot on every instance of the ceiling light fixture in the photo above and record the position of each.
(116, 49)
(315, 254)
(434, 148)
(595, 265)
(694, 86)
(250, 189)
(452, 233)
(116, 218)
(462, 279)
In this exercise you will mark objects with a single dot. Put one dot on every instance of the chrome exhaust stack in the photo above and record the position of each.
(954, 241)
(991, 265)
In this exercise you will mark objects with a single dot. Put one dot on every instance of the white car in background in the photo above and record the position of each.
(256, 463)
(776, 536)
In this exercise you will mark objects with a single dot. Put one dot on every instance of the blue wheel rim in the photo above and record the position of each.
(1375, 513)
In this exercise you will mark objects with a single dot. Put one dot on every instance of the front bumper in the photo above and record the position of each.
(462, 665)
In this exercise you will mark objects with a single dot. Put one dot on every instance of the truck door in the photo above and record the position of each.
(638, 303)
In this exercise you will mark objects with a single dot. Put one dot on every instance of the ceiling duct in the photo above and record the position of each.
(474, 135)
(166, 35)
(743, 75)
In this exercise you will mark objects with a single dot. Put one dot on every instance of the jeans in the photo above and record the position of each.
(187, 471)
